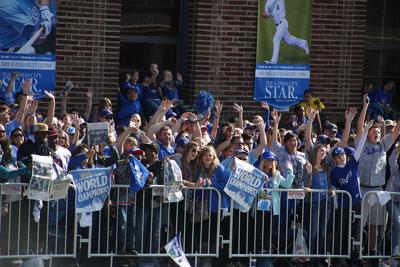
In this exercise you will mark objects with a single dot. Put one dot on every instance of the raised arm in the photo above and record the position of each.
(9, 97)
(265, 106)
(153, 129)
(396, 131)
(361, 118)
(362, 139)
(63, 104)
(263, 138)
(26, 87)
(75, 122)
(239, 109)
(349, 116)
(122, 137)
(89, 103)
(218, 110)
(51, 109)
(308, 143)
(276, 117)
(160, 113)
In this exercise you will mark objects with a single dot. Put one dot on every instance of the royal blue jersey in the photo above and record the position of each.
(19, 19)
(347, 178)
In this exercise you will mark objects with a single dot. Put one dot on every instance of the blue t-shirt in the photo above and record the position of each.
(347, 178)
(171, 93)
(150, 92)
(18, 21)
(383, 97)
(319, 181)
(165, 151)
(124, 116)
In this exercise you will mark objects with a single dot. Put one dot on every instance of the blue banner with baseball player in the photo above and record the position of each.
(27, 46)
(244, 184)
(92, 188)
(283, 66)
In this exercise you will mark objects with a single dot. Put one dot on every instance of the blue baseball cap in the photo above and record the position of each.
(323, 139)
(182, 141)
(349, 151)
(269, 155)
(134, 88)
(338, 151)
(106, 113)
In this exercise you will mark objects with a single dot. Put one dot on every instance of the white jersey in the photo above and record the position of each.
(276, 9)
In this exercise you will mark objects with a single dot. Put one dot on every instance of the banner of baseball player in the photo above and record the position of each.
(27, 45)
(283, 39)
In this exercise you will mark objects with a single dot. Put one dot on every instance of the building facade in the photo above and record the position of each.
(213, 43)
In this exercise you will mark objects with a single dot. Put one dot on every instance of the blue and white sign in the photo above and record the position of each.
(92, 188)
(27, 44)
(174, 250)
(282, 85)
(244, 184)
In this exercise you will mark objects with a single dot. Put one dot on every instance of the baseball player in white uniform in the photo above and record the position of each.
(276, 9)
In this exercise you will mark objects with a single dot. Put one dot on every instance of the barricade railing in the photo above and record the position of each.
(142, 223)
(380, 227)
(307, 224)
(28, 230)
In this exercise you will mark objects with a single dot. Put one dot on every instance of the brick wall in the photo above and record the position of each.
(88, 34)
(222, 51)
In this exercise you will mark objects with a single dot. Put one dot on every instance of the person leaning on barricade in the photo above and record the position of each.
(372, 166)
(269, 202)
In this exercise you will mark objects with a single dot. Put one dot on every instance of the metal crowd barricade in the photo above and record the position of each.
(311, 216)
(53, 235)
(380, 227)
(140, 224)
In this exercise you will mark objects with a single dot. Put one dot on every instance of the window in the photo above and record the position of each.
(152, 31)
(382, 50)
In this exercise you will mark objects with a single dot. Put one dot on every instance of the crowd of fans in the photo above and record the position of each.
(153, 125)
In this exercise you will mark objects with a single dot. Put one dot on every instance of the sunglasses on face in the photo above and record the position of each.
(2, 131)
(17, 135)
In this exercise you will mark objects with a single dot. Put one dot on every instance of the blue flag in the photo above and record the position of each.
(139, 174)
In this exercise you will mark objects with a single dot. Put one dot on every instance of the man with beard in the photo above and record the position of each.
(39, 147)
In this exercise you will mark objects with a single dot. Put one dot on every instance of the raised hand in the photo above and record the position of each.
(179, 76)
(49, 94)
(75, 120)
(238, 107)
(365, 100)
(26, 86)
(89, 93)
(218, 108)
(350, 114)
(310, 113)
(33, 107)
(264, 105)
(276, 117)
(381, 120)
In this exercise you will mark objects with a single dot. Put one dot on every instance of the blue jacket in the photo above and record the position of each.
(124, 116)
(279, 181)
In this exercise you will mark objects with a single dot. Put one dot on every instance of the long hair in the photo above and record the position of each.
(185, 164)
(261, 167)
(199, 165)
(313, 160)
